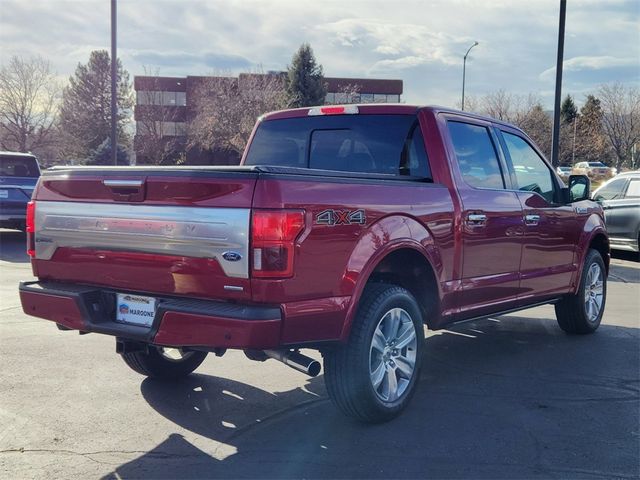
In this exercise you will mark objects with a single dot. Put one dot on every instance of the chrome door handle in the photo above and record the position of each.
(531, 219)
(476, 219)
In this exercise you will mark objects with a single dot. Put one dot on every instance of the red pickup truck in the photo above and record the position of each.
(345, 229)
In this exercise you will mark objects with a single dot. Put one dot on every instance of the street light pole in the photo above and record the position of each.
(555, 136)
(114, 86)
(464, 70)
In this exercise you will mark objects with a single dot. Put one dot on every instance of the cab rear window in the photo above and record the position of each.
(18, 166)
(382, 144)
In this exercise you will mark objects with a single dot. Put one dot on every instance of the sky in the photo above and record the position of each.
(420, 42)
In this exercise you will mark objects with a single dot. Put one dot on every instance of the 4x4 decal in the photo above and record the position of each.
(341, 217)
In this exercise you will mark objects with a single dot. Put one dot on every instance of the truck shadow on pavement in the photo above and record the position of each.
(510, 397)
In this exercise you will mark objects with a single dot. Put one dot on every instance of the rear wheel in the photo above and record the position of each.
(582, 312)
(374, 376)
(164, 363)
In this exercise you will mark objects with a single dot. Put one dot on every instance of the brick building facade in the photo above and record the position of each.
(164, 106)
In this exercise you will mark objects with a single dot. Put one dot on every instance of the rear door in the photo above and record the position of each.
(551, 229)
(492, 221)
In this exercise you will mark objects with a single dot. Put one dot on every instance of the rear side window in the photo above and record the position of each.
(633, 191)
(18, 166)
(476, 155)
(384, 144)
(611, 190)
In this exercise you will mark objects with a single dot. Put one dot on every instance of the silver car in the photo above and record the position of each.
(620, 199)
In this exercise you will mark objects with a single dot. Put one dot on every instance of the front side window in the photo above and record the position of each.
(611, 190)
(532, 173)
(476, 155)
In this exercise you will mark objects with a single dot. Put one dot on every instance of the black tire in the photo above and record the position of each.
(348, 374)
(573, 312)
(154, 364)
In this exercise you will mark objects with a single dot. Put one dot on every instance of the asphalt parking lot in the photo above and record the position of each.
(508, 397)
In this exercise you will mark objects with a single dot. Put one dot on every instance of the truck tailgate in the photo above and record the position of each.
(157, 231)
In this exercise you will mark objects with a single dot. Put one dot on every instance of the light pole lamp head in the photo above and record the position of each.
(474, 44)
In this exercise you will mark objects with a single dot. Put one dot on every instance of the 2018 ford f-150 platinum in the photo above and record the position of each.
(345, 229)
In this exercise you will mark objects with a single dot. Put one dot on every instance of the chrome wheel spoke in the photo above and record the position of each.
(378, 375)
(174, 354)
(392, 323)
(406, 336)
(391, 384)
(405, 366)
(379, 340)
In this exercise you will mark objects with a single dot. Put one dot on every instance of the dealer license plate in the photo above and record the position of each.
(135, 309)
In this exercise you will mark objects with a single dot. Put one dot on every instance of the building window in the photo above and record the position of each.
(379, 97)
(167, 99)
(393, 98)
(181, 129)
(330, 98)
(341, 98)
(355, 98)
(161, 129)
(366, 98)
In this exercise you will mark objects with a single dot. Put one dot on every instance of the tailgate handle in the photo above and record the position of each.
(123, 183)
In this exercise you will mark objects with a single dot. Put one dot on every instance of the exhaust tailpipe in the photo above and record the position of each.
(296, 360)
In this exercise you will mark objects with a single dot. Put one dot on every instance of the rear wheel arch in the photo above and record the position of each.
(405, 264)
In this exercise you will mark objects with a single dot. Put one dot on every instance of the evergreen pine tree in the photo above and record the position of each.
(102, 155)
(85, 115)
(568, 110)
(305, 80)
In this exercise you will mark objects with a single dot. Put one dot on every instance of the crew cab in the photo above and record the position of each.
(345, 229)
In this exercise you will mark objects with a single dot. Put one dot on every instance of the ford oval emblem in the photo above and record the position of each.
(232, 256)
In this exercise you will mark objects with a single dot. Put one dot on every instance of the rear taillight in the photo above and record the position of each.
(273, 236)
(31, 229)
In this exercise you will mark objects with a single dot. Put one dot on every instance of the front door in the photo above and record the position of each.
(551, 229)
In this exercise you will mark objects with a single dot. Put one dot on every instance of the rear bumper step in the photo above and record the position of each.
(177, 322)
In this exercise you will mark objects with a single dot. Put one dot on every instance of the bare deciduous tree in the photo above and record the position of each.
(160, 132)
(29, 101)
(621, 119)
(349, 93)
(227, 108)
(499, 105)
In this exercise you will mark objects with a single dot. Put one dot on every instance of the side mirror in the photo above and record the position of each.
(579, 189)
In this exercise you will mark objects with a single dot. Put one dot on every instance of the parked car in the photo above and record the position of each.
(19, 173)
(620, 199)
(564, 172)
(596, 170)
(345, 229)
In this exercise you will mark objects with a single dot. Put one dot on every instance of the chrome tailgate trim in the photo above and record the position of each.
(170, 230)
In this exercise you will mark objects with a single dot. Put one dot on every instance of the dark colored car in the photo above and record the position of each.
(620, 200)
(19, 173)
(345, 229)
